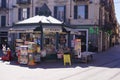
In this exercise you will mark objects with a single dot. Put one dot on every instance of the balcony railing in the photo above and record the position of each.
(24, 2)
(80, 0)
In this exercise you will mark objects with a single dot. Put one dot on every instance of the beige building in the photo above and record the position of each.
(87, 18)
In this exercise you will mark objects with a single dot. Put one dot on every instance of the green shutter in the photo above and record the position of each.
(86, 11)
(19, 14)
(28, 12)
(64, 13)
(75, 12)
(3, 21)
(36, 11)
(55, 11)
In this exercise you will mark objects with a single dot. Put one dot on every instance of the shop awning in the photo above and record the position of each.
(72, 31)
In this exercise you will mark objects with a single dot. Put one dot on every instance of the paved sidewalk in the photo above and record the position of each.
(104, 66)
(99, 59)
(107, 56)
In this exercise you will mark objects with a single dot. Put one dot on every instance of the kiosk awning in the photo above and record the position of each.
(43, 19)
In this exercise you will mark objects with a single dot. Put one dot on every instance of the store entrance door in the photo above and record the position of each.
(82, 36)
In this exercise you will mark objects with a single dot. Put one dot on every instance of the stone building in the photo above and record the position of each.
(93, 21)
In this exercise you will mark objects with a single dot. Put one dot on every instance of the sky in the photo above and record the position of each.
(117, 9)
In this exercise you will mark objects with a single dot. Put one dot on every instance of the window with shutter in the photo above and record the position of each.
(23, 13)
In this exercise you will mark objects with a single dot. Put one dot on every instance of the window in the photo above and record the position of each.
(60, 12)
(81, 12)
(3, 3)
(23, 13)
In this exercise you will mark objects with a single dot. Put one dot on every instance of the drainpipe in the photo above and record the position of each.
(70, 8)
(70, 11)
(32, 8)
(8, 13)
(100, 31)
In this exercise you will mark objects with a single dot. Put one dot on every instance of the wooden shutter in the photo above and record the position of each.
(3, 20)
(86, 11)
(75, 11)
(64, 13)
(28, 12)
(19, 14)
(36, 11)
(55, 11)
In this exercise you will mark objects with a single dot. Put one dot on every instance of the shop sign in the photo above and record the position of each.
(93, 30)
(77, 32)
(52, 30)
(20, 31)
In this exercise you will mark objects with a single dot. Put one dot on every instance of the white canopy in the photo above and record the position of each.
(42, 19)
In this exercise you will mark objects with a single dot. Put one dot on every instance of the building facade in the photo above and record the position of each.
(93, 21)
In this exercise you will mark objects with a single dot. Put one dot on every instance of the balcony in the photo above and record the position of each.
(80, 0)
(23, 2)
(60, 1)
(4, 7)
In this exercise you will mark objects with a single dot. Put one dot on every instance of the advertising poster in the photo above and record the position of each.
(77, 47)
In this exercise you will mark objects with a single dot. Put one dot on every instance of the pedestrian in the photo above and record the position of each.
(4, 49)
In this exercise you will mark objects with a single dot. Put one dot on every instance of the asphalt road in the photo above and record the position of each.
(105, 66)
